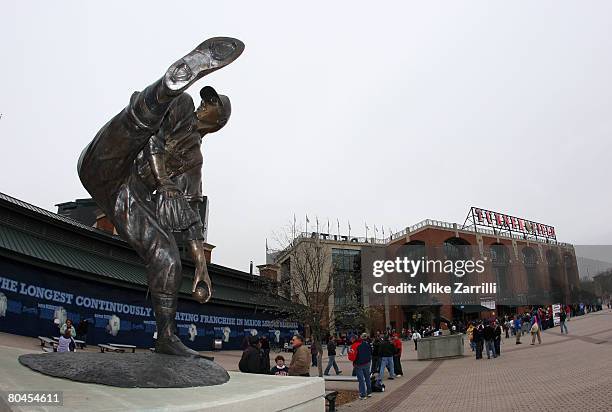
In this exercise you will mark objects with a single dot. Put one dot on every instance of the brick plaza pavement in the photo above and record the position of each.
(571, 373)
(567, 372)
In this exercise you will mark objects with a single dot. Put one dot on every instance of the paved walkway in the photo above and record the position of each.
(569, 372)
(566, 372)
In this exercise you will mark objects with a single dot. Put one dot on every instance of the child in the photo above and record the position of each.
(66, 342)
(280, 369)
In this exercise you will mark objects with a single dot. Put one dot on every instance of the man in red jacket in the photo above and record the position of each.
(361, 356)
(397, 364)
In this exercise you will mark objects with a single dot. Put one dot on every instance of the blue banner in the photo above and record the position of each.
(34, 301)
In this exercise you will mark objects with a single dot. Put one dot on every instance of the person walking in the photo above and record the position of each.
(397, 357)
(470, 336)
(386, 351)
(479, 340)
(300, 362)
(360, 354)
(563, 322)
(535, 331)
(331, 357)
(489, 336)
(526, 324)
(518, 325)
(416, 337)
(497, 339)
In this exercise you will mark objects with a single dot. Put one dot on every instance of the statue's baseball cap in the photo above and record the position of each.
(209, 94)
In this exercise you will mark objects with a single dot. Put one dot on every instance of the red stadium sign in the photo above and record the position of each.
(501, 222)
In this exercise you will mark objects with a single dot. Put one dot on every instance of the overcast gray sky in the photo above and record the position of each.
(385, 112)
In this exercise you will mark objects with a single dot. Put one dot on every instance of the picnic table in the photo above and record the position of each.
(124, 347)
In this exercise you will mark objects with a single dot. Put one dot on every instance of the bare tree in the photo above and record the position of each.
(306, 279)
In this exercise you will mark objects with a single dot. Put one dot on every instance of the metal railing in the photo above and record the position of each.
(457, 226)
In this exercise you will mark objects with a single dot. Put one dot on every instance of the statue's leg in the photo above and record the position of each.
(135, 220)
(106, 162)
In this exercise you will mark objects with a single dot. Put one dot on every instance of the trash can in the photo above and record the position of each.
(217, 344)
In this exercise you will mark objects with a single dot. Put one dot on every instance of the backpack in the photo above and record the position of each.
(377, 387)
(352, 353)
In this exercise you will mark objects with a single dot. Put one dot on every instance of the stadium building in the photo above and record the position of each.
(521, 257)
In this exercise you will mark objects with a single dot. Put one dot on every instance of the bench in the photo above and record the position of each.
(124, 347)
(330, 397)
(340, 378)
(108, 348)
(47, 343)
(79, 343)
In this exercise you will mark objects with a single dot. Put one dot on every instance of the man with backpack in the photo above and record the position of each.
(360, 354)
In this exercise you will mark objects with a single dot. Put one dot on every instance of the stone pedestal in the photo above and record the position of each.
(440, 347)
(243, 392)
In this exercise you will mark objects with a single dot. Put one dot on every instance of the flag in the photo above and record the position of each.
(328, 226)
(375, 230)
(349, 225)
(266, 245)
(307, 220)
(338, 221)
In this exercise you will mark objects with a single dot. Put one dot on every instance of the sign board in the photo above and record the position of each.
(501, 222)
(556, 311)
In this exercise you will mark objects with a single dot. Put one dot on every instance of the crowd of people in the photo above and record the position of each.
(486, 334)
(371, 358)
